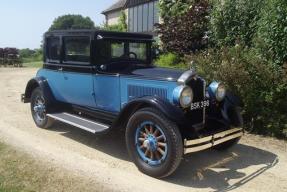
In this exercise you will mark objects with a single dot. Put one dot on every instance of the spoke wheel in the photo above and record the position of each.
(38, 109)
(154, 143)
(151, 143)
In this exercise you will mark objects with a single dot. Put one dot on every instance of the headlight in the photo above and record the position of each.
(183, 95)
(221, 92)
(218, 90)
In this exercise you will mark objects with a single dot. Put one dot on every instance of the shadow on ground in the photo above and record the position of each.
(207, 169)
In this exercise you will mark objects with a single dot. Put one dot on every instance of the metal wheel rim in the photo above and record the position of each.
(151, 143)
(39, 109)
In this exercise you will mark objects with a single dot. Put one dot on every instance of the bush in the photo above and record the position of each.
(170, 60)
(261, 85)
(271, 38)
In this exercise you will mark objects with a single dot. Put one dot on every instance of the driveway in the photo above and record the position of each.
(256, 164)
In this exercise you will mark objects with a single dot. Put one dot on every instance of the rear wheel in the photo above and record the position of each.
(154, 143)
(38, 109)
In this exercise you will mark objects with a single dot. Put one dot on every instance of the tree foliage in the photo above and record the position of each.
(72, 22)
(271, 39)
(234, 21)
(184, 32)
(169, 8)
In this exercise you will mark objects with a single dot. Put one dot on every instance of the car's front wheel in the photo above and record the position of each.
(38, 109)
(154, 143)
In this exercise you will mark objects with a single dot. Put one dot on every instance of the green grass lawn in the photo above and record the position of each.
(34, 64)
(20, 172)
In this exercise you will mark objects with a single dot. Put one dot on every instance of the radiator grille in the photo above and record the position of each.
(141, 91)
(198, 87)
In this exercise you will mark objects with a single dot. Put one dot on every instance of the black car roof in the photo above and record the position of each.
(104, 34)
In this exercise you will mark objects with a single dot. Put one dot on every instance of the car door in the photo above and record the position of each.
(77, 72)
(107, 81)
(52, 66)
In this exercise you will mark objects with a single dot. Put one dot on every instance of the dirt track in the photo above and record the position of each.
(256, 164)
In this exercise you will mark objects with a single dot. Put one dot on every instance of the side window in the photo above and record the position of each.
(53, 49)
(77, 50)
(140, 49)
(118, 49)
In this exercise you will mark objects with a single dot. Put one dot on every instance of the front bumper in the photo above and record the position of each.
(191, 146)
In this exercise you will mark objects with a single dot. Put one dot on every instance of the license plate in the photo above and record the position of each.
(200, 105)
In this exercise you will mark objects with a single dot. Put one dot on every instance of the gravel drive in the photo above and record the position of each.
(256, 164)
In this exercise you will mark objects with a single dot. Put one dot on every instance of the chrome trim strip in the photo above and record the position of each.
(213, 140)
(204, 108)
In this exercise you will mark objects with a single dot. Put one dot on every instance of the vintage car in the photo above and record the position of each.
(99, 81)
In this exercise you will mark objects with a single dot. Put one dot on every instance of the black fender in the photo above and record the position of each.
(231, 110)
(43, 84)
(172, 112)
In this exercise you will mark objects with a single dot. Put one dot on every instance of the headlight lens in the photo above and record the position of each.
(186, 97)
(220, 92)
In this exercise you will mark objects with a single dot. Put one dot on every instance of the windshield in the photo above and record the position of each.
(114, 50)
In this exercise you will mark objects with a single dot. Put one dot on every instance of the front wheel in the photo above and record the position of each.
(154, 143)
(38, 109)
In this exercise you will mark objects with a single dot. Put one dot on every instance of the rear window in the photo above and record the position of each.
(53, 49)
(77, 49)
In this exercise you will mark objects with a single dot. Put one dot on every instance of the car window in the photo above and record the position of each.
(77, 49)
(112, 51)
(53, 49)
(140, 50)
(117, 49)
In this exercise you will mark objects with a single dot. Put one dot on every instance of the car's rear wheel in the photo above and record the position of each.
(38, 109)
(154, 143)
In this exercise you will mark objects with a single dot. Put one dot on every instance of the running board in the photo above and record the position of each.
(79, 122)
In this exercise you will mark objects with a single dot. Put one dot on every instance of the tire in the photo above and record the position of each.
(227, 145)
(163, 143)
(38, 110)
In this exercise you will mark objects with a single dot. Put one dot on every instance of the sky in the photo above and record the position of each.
(23, 23)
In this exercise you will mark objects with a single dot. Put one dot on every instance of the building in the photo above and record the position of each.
(142, 15)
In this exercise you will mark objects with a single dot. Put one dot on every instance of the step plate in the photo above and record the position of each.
(79, 122)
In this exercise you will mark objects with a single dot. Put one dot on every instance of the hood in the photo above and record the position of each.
(157, 73)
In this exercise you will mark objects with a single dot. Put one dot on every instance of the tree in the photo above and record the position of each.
(72, 22)
(234, 21)
(184, 31)
(271, 39)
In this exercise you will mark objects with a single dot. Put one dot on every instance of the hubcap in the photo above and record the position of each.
(151, 143)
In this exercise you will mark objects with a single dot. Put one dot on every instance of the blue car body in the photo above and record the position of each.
(108, 76)
(98, 80)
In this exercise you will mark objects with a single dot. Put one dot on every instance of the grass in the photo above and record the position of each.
(20, 172)
(33, 64)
